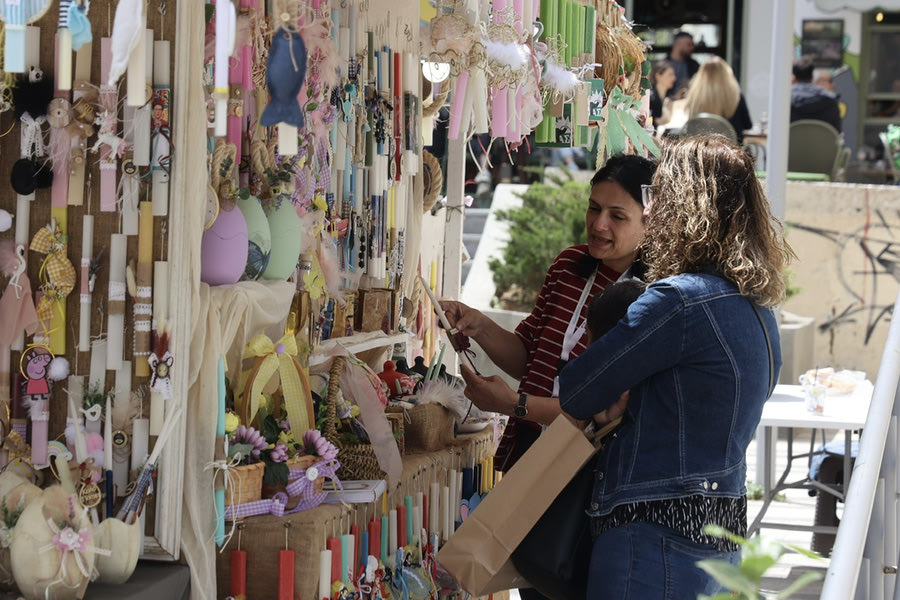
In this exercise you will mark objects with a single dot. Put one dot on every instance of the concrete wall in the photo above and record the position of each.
(847, 240)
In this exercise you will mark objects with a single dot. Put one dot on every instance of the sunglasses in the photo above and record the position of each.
(648, 195)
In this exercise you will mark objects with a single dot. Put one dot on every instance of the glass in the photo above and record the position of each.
(884, 62)
(648, 195)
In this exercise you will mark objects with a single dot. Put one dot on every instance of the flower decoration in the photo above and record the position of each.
(315, 443)
(231, 422)
(247, 444)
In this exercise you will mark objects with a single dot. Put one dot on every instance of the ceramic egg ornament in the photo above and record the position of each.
(260, 237)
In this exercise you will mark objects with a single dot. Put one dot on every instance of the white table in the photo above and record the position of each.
(787, 408)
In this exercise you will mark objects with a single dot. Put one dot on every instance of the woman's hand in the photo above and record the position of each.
(612, 413)
(490, 394)
(467, 320)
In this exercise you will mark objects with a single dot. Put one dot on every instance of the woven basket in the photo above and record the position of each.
(246, 484)
(358, 461)
(298, 462)
(428, 427)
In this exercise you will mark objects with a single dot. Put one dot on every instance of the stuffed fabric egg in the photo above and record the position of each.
(285, 227)
(223, 249)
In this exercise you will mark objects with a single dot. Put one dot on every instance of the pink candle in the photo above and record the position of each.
(456, 107)
(499, 112)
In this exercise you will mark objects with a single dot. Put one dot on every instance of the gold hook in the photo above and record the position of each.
(287, 526)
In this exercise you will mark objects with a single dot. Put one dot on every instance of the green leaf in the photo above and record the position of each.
(720, 532)
(754, 566)
(242, 450)
(270, 429)
(800, 583)
(312, 106)
(729, 576)
(276, 473)
(615, 133)
(646, 68)
(722, 596)
(804, 552)
(638, 135)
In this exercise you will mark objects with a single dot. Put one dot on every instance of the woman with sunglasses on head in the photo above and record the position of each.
(699, 352)
(554, 331)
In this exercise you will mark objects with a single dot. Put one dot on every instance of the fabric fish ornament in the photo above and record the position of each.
(128, 30)
(285, 73)
(79, 24)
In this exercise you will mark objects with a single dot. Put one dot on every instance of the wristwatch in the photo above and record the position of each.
(521, 409)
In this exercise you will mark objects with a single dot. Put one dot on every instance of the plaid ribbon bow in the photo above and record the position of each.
(57, 272)
(279, 356)
(302, 486)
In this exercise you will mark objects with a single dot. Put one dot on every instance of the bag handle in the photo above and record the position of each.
(768, 345)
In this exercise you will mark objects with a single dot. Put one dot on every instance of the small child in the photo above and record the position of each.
(610, 305)
(604, 311)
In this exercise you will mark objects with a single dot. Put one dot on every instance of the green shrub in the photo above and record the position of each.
(551, 219)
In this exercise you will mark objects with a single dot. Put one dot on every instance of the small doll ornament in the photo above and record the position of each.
(35, 363)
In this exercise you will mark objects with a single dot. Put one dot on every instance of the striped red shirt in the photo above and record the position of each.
(542, 333)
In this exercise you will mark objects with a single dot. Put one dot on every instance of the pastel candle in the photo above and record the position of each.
(374, 538)
(107, 437)
(393, 533)
(324, 575)
(354, 559)
(219, 491)
(334, 546)
(427, 505)
(456, 107)
(416, 526)
(84, 317)
(445, 513)
(80, 446)
(160, 293)
(363, 552)
(286, 575)
(347, 543)
(143, 302)
(63, 75)
(140, 442)
(40, 423)
(383, 538)
(287, 139)
(18, 413)
(121, 399)
(518, 10)
(410, 532)
(239, 573)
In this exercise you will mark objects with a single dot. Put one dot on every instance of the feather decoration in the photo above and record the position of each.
(128, 30)
(560, 79)
(331, 270)
(60, 150)
(449, 395)
(36, 406)
(512, 55)
(323, 59)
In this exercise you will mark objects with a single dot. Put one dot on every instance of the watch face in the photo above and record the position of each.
(212, 207)
(520, 411)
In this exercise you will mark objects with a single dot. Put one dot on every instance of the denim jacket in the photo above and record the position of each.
(693, 354)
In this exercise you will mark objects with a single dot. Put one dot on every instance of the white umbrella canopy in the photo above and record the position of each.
(860, 5)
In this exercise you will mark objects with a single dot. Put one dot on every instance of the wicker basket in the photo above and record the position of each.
(428, 427)
(358, 461)
(246, 484)
(298, 462)
(398, 428)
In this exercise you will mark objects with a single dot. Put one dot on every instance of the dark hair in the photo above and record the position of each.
(803, 69)
(629, 171)
(681, 35)
(610, 305)
(659, 67)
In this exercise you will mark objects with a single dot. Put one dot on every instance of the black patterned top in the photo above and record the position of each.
(686, 516)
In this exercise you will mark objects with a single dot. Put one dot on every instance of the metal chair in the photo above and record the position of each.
(709, 124)
(816, 148)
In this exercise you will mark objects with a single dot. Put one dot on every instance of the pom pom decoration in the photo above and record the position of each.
(58, 369)
(27, 176)
(5, 220)
(32, 95)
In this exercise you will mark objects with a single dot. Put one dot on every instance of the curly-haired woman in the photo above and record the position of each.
(699, 352)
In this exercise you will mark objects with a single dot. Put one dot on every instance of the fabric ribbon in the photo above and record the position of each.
(57, 271)
(279, 357)
(302, 482)
(69, 542)
(31, 139)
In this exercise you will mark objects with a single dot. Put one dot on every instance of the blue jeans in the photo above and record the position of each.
(643, 561)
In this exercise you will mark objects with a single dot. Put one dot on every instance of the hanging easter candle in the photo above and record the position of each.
(284, 225)
(223, 249)
(259, 236)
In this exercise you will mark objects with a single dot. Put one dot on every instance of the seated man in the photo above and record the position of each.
(809, 101)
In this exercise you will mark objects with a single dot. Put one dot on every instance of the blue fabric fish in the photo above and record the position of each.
(285, 72)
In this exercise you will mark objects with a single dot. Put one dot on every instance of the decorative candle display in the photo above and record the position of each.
(324, 575)
(160, 125)
(115, 305)
(84, 317)
(140, 442)
(143, 307)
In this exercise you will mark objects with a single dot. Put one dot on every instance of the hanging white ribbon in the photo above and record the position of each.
(32, 136)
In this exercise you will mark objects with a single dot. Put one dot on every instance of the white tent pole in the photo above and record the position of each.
(779, 104)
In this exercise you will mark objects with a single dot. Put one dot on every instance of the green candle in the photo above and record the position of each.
(440, 361)
(590, 27)
(562, 23)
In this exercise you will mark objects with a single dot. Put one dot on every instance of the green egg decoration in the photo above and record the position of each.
(284, 226)
(259, 235)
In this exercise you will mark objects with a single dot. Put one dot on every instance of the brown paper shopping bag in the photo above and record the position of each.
(477, 555)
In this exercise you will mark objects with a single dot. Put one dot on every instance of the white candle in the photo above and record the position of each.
(84, 317)
(115, 320)
(157, 412)
(225, 34)
(445, 513)
(136, 76)
(97, 379)
(80, 446)
(63, 75)
(287, 139)
(392, 534)
(107, 437)
(160, 294)
(434, 509)
(324, 574)
(417, 525)
(140, 442)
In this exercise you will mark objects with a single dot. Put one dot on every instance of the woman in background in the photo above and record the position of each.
(715, 90)
(662, 79)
